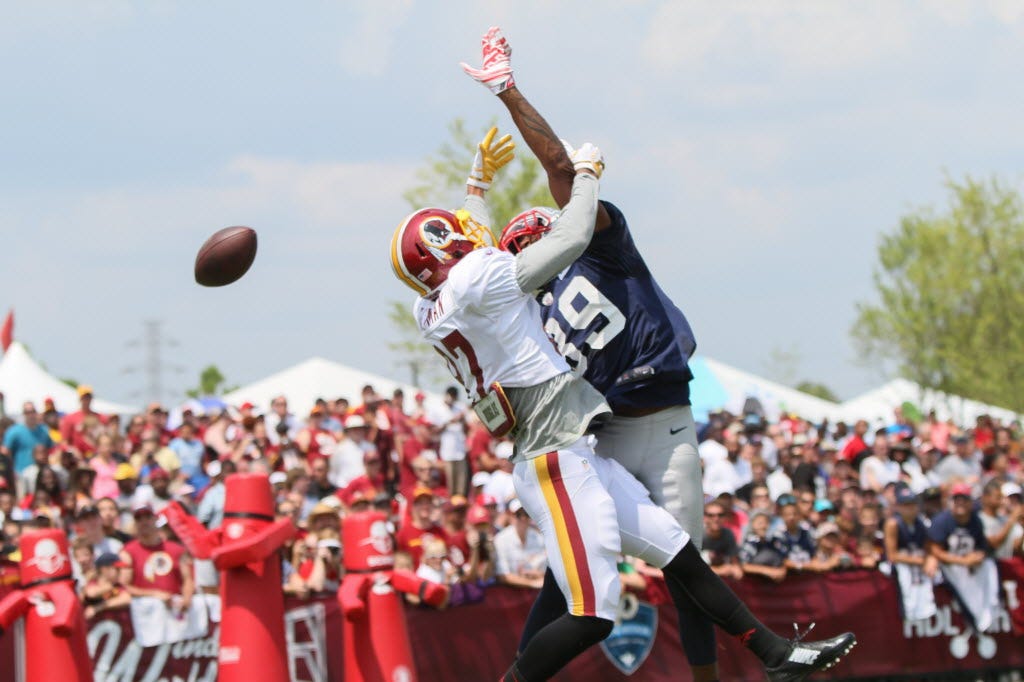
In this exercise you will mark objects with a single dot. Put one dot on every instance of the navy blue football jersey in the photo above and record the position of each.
(615, 325)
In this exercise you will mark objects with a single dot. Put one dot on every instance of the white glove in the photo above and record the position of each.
(491, 155)
(496, 71)
(587, 157)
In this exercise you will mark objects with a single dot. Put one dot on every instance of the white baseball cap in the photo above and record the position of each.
(481, 478)
(1011, 488)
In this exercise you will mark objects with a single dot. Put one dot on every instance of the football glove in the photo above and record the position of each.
(491, 155)
(587, 157)
(496, 70)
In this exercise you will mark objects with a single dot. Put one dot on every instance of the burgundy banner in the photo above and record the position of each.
(478, 641)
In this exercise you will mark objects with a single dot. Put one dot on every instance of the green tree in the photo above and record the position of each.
(441, 181)
(211, 382)
(818, 390)
(950, 286)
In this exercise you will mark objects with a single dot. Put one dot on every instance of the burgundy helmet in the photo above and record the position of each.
(533, 221)
(428, 243)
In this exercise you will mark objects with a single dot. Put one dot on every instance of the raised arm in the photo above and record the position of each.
(569, 234)
(496, 74)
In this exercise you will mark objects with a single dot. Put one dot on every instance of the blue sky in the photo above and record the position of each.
(758, 149)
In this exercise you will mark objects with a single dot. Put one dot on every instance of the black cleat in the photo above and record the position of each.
(805, 658)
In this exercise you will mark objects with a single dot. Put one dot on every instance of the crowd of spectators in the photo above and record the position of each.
(780, 498)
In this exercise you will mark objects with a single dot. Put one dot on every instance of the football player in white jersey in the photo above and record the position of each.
(476, 308)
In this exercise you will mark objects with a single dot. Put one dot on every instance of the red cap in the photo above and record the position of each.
(156, 473)
(959, 489)
(477, 514)
(484, 500)
(246, 406)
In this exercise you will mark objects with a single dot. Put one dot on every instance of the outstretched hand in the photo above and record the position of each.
(491, 155)
(495, 71)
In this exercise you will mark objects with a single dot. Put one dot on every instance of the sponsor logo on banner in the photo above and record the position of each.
(632, 638)
(961, 637)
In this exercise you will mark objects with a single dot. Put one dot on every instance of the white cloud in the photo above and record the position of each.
(366, 48)
(803, 35)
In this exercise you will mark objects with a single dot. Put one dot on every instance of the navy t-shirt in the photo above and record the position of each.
(957, 539)
(799, 546)
(767, 551)
(608, 315)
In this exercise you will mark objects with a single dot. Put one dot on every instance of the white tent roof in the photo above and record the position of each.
(22, 379)
(878, 405)
(315, 378)
(717, 385)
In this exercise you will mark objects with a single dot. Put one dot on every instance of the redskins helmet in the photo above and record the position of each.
(428, 243)
(533, 221)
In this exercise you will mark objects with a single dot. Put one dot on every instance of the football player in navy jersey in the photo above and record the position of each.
(618, 330)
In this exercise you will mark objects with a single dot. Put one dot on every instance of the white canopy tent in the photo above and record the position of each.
(22, 380)
(717, 385)
(316, 378)
(878, 405)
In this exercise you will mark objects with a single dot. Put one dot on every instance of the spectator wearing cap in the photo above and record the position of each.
(111, 519)
(1013, 495)
(449, 420)
(211, 507)
(127, 479)
(427, 474)
(719, 548)
(89, 525)
(763, 553)
(369, 483)
(453, 520)
(878, 469)
(830, 554)
(794, 534)
(20, 440)
(733, 517)
(420, 526)
(316, 441)
(155, 566)
(436, 565)
(906, 536)
(156, 493)
(156, 421)
(520, 560)
(72, 423)
(956, 535)
(480, 538)
(190, 451)
(1004, 532)
(477, 483)
(957, 540)
(962, 464)
(346, 458)
(103, 590)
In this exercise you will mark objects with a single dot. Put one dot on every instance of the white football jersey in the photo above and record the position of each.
(486, 328)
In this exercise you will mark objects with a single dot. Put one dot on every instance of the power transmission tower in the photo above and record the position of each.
(153, 343)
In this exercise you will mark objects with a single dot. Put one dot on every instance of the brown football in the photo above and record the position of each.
(226, 256)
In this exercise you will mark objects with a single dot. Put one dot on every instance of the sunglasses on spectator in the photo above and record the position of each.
(713, 516)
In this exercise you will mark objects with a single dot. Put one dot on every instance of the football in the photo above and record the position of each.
(226, 256)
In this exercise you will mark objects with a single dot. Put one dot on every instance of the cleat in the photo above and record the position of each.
(805, 658)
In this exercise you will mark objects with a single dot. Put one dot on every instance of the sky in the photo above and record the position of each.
(757, 148)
